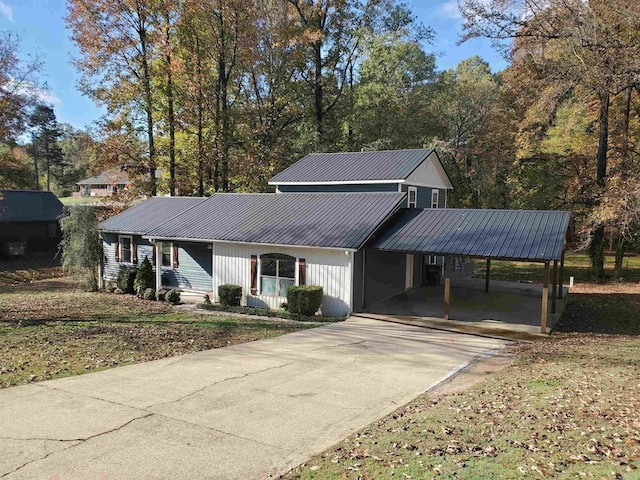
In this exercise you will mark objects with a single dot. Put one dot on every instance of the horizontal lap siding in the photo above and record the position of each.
(111, 267)
(194, 268)
(330, 269)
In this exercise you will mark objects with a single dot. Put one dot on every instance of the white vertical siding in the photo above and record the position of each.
(330, 269)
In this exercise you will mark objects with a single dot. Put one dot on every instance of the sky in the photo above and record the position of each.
(41, 28)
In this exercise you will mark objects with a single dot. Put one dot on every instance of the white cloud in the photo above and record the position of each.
(49, 98)
(448, 9)
(6, 11)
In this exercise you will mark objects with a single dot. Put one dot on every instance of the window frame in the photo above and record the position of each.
(277, 277)
(130, 237)
(171, 259)
(411, 190)
(435, 193)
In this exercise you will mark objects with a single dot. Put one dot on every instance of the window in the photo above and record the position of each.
(167, 251)
(277, 274)
(125, 249)
(435, 196)
(412, 198)
(432, 260)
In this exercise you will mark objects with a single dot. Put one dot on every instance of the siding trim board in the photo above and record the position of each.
(202, 240)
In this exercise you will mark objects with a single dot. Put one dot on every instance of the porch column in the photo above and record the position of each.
(447, 297)
(158, 265)
(554, 286)
(545, 299)
(486, 280)
(561, 274)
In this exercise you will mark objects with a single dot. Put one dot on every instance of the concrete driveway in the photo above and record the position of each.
(248, 411)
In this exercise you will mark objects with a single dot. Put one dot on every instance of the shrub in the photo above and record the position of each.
(172, 296)
(230, 295)
(304, 299)
(150, 294)
(144, 277)
(160, 294)
(126, 278)
(110, 287)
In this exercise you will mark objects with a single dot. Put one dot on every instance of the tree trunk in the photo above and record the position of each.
(619, 257)
(318, 95)
(624, 148)
(148, 106)
(200, 108)
(170, 113)
(35, 163)
(48, 157)
(597, 248)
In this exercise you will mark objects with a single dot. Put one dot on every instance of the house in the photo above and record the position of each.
(29, 222)
(106, 183)
(365, 226)
(418, 173)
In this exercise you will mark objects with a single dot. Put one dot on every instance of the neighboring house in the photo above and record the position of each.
(359, 244)
(418, 173)
(107, 183)
(29, 222)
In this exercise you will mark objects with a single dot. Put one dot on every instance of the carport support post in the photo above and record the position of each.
(486, 280)
(545, 299)
(555, 283)
(447, 297)
(561, 275)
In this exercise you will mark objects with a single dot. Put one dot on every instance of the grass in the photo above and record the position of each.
(577, 265)
(50, 329)
(80, 200)
(566, 408)
(36, 267)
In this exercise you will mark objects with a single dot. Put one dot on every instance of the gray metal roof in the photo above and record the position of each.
(353, 166)
(29, 206)
(115, 176)
(332, 220)
(506, 234)
(149, 214)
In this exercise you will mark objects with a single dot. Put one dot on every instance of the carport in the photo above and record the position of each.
(510, 235)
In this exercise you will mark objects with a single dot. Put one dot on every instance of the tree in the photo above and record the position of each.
(19, 87)
(593, 45)
(45, 146)
(118, 47)
(81, 246)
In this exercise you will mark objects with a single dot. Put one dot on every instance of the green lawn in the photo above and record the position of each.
(577, 265)
(50, 329)
(79, 200)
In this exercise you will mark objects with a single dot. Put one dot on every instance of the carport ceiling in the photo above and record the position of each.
(529, 235)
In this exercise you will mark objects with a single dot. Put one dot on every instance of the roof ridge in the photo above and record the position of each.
(372, 151)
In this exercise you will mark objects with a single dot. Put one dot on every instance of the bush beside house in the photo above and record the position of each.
(230, 295)
(304, 299)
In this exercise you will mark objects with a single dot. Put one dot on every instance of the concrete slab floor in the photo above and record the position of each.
(249, 411)
(508, 306)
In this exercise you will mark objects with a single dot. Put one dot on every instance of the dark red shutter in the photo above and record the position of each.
(118, 250)
(153, 253)
(134, 251)
(254, 274)
(176, 263)
(302, 272)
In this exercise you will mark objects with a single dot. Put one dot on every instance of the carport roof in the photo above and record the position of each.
(502, 234)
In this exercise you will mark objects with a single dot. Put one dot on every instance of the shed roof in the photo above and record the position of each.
(29, 206)
(149, 214)
(388, 165)
(329, 220)
(506, 234)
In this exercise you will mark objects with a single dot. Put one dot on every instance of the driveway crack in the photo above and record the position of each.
(217, 383)
(78, 441)
(360, 342)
